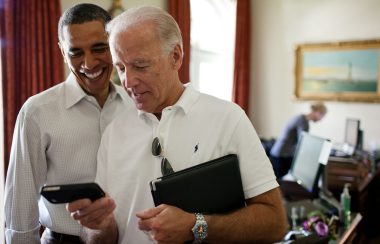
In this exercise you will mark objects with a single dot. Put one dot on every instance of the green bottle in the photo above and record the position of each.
(345, 201)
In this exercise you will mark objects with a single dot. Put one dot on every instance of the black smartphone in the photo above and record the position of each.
(71, 192)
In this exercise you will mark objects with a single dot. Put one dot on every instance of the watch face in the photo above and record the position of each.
(200, 231)
(200, 228)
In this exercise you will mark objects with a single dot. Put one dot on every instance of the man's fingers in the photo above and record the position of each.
(150, 213)
(85, 211)
(145, 224)
(99, 214)
(96, 215)
(78, 204)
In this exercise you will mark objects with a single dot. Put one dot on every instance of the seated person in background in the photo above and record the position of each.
(192, 128)
(283, 149)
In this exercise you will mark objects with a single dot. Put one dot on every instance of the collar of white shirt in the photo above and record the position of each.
(75, 93)
(185, 102)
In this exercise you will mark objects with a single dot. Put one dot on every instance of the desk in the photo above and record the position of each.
(292, 191)
(348, 235)
(364, 191)
(346, 170)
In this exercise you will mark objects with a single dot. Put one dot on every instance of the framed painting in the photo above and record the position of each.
(339, 71)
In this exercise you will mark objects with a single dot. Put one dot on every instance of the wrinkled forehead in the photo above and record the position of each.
(136, 41)
(139, 30)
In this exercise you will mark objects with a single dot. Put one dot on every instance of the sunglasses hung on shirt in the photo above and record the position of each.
(166, 168)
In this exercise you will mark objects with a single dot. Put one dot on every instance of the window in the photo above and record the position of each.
(212, 46)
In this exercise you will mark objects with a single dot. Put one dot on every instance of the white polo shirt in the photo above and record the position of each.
(56, 140)
(196, 129)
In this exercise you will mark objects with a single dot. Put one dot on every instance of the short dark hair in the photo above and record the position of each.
(82, 13)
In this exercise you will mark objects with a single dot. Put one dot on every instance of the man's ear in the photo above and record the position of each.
(177, 56)
(62, 52)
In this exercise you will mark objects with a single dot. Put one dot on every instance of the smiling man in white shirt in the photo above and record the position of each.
(58, 131)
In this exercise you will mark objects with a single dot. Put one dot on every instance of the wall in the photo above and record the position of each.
(277, 26)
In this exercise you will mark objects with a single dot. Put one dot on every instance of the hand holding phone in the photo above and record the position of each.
(71, 192)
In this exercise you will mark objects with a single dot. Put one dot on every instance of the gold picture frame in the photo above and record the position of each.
(116, 8)
(338, 71)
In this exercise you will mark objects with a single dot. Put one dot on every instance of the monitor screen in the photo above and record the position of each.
(351, 135)
(306, 166)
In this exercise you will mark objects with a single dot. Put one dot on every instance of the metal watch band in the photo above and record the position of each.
(200, 229)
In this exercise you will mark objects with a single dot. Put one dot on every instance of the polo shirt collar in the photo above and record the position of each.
(74, 92)
(185, 102)
(188, 98)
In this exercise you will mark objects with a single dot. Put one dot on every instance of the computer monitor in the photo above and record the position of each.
(310, 155)
(352, 134)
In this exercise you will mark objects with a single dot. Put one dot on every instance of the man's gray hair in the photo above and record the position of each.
(167, 28)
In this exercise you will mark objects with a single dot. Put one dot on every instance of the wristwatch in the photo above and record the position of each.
(200, 228)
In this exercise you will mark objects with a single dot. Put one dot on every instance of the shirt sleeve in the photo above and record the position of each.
(25, 176)
(256, 170)
(302, 126)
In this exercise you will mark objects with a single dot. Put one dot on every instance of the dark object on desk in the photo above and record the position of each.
(292, 191)
(338, 153)
(211, 187)
(298, 238)
(315, 239)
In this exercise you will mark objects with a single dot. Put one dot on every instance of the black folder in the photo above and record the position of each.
(211, 187)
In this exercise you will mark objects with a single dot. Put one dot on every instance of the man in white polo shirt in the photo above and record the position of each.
(183, 127)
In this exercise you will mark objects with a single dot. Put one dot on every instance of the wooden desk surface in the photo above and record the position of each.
(350, 232)
(347, 235)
